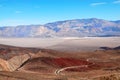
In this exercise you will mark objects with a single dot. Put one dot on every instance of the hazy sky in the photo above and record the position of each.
(19, 12)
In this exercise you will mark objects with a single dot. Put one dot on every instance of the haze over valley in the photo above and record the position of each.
(64, 44)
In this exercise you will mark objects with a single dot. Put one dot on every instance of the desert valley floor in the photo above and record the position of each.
(89, 58)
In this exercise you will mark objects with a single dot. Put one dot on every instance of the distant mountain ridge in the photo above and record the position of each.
(69, 28)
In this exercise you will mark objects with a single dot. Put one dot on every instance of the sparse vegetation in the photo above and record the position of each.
(110, 77)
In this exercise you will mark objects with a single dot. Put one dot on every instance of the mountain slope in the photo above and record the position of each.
(68, 28)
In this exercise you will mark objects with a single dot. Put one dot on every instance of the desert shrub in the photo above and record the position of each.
(111, 77)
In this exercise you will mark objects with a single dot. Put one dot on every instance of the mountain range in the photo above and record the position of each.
(92, 27)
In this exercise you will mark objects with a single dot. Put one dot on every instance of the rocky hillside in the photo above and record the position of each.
(11, 58)
(68, 28)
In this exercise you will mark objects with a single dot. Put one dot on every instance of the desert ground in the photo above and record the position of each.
(89, 58)
(64, 44)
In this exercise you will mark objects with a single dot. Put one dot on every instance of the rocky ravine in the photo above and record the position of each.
(14, 63)
(11, 58)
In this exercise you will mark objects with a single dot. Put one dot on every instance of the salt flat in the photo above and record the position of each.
(64, 44)
(87, 43)
(31, 42)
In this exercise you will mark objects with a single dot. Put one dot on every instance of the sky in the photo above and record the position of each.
(27, 12)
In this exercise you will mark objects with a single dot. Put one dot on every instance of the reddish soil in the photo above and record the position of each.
(60, 62)
(63, 62)
(66, 62)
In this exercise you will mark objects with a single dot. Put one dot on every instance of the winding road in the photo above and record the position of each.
(58, 71)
